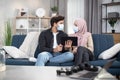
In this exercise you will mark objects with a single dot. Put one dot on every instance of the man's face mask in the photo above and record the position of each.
(60, 27)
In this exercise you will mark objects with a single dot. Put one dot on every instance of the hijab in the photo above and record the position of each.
(82, 33)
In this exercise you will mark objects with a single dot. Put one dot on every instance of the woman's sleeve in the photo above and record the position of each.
(90, 45)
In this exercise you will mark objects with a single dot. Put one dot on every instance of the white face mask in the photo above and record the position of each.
(60, 27)
(75, 29)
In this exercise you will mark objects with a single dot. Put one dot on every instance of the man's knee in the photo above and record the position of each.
(70, 55)
(43, 55)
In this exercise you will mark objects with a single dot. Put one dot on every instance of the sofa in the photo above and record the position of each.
(101, 43)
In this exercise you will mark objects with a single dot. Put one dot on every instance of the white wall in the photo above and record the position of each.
(111, 9)
(7, 10)
(75, 9)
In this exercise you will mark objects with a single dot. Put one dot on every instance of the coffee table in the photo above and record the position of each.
(31, 73)
(35, 73)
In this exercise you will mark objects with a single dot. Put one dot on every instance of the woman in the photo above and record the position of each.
(84, 51)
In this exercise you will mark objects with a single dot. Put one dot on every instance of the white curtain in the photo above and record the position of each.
(74, 9)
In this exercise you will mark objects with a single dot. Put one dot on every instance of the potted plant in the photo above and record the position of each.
(112, 1)
(7, 34)
(54, 10)
(112, 22)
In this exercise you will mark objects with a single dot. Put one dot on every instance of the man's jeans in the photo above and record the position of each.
(44, 57)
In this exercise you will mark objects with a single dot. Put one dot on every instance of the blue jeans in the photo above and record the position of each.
(44, 57)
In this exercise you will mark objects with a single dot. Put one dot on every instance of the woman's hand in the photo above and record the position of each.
(74, 50)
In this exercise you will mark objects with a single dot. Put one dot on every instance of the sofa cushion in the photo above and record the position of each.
(61, 64)
(67, 64)
(116, 64)
(17, 40)
(118, 56)
(101, 43)
(52, 64)
(19, 61)
(37, 51)
(114, 71)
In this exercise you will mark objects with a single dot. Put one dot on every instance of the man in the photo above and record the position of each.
(50, 45)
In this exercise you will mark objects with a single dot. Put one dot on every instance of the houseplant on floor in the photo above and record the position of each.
(7, 34)
(112, 22)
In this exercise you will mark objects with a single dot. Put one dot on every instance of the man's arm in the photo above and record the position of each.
(42, 43)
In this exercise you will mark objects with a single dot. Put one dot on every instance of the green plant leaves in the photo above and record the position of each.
(54, 9)
(8, 34)
(112, 21)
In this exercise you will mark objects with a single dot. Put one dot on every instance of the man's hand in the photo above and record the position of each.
(55, 50)
(58, 48)
(68, 44)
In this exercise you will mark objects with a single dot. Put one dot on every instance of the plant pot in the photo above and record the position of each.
(113, 31)
(54, 14)
(112, 1)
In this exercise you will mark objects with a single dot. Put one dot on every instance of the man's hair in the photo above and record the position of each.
(56, 19)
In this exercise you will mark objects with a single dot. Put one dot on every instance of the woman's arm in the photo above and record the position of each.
(90, 45)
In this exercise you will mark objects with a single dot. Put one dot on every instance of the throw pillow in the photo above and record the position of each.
(14, 52)
(30, 43)
(111, 52)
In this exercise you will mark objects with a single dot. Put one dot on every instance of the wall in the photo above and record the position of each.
(75, 8)
(69, 8)
(111, 9)
(8, 8)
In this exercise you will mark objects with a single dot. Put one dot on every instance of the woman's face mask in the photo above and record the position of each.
(60, 27)
(75, 28)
